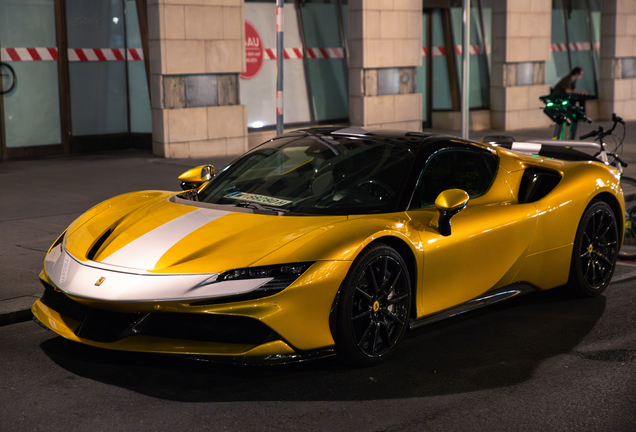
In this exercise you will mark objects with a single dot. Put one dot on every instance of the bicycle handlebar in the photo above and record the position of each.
(617, 119)
(600, 133)
(588, 135)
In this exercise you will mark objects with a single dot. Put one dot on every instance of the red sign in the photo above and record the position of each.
(253, 51)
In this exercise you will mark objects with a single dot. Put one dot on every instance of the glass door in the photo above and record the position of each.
(30, 121)
(97, 68)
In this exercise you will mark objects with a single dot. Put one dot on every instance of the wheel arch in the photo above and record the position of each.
(611, 200)
(401, 247)
(409, 258)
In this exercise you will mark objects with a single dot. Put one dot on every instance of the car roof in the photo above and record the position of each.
(394, 136)
(415, 140)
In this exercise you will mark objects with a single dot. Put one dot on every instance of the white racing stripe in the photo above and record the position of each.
(526, 147)
(147, 250)
(92, 280)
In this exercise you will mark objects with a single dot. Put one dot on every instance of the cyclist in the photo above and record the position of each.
(568, 83)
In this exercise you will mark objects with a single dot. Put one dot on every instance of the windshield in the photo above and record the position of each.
(315, 175)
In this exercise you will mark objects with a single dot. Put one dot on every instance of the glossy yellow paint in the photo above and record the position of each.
(486, 242)
(451, 199)
(495, 241)
(240, 240)
(198, 175)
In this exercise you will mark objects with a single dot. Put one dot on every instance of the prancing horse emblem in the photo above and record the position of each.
(100, 281)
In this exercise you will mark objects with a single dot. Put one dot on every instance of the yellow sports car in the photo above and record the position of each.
(330, 241)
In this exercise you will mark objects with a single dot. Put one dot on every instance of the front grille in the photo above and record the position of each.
(207, 327)
(107, 326)
(63, 305)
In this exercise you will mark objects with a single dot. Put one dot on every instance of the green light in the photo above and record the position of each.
(550, 103)
(564, 103)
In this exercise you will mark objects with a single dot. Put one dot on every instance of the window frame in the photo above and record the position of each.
(460, 147)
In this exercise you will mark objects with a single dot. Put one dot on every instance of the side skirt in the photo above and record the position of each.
(486, 299)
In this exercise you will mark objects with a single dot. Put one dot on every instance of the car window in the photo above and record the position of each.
(316, 175)
(469, 169)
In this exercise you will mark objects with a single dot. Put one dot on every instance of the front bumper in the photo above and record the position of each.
(292, 323)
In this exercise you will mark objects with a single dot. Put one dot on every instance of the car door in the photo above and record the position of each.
(489, 239)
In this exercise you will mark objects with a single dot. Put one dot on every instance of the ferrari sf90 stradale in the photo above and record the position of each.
(330, 240)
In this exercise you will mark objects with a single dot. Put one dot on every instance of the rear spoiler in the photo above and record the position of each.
(565, 150)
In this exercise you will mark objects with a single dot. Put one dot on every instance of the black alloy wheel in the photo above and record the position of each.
(374, 306)
(595, 250)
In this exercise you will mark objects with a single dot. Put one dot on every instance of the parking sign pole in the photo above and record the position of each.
(465, 107)
(279, 66)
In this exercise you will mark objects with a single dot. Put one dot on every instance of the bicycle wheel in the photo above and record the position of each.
(7, 74)
(628, 250)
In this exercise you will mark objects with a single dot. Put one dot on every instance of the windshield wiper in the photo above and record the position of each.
(257, 206)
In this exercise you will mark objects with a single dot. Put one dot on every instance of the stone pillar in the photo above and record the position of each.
(521, 31)
(385, 46)
(617, 87)
(197, 51)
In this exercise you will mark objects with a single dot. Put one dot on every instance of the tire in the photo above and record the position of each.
(595, 250)
(374, 306)
(628, 250)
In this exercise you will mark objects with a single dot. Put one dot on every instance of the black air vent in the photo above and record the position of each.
(108, 326)
(536, 183)
(98, 244)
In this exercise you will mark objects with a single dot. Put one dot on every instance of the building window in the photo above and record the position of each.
(315, 87)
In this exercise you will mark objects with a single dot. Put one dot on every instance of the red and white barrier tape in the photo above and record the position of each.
(28, 54)
(74, 54)
(574, 46)
(313, 53)
(441, 51)
(117, 54)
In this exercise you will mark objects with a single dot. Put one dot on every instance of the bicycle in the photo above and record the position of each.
(628, 185)
(603, 154)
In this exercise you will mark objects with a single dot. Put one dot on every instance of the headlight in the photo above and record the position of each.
(283, 275)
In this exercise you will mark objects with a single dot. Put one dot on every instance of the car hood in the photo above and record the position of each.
(158, 234)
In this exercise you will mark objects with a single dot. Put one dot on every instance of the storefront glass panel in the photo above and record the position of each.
(595, 17)
(479, 82)
(138, 96)
(441, 84)
(578, 48)
(259, 92)
(581, 43)
(98, 87)
(32, 108)
(327, 75)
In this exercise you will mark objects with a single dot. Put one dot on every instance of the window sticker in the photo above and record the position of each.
(261, 199)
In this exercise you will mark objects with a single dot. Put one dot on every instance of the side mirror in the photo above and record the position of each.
(448, 204)
(195, 177)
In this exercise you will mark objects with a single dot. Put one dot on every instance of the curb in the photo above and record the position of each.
(16, 310)
(15, 317)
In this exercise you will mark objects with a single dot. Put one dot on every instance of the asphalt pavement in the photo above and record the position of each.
(39, 198)
(541, 362)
